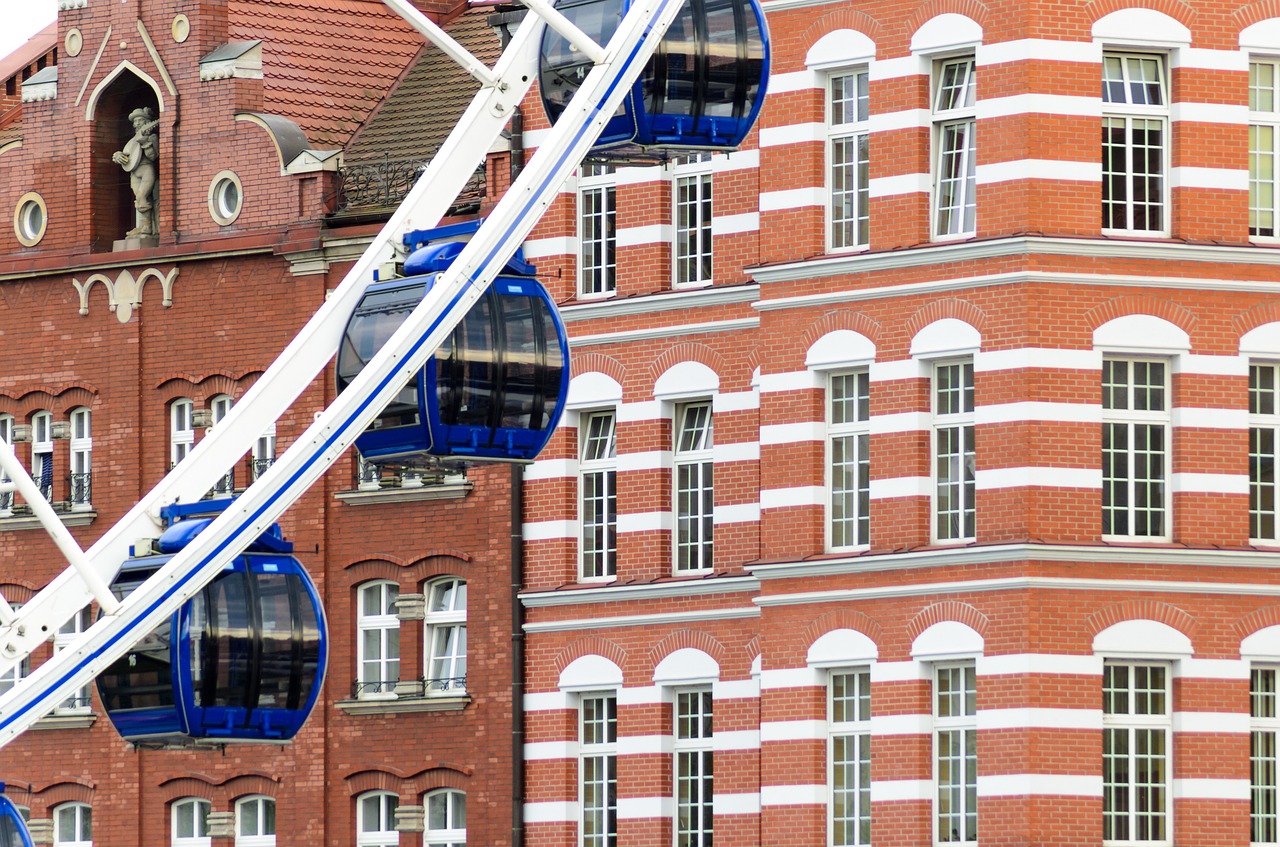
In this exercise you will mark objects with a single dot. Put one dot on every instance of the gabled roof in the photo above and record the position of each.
(422, 110)
(35, 47)
(326, 63)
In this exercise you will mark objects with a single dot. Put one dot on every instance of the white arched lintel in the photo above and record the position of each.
(842, 647)
(840, 349)
(590, 672)
(92, 106)
(947, 640)
(592, 389)
(1262, 37)
(1142, 639)
(946, 337)
(945, 32)
(1262, 646)
(839, 48)
(1262, 341)
(1141, 334)
(1145, 27)
(686, 379)
(686, 666)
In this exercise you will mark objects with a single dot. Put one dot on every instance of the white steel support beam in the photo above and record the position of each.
(336, 428)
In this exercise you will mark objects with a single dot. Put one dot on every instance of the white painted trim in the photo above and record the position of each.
(735, 689)
(903, 486)
(645, 522)
(542, 751)
(736, 513)
(898, 790)
(780, 136)
(788, 498)
(644, 808)
(771, 678)
(904, 724)
(901, 422)
(735, 224)
(1037, 358)
(794, 795)
(1036, 50)
(1039, 784)
(908, 671)
(634, 236)
(644, 745)
(1039, 718)
(1016, 105)
(1199, 418)
(1211, 113)
(742, 451)
(564, 245)
(896, 186)
(785, 83)
(897, 121)
(1054, 664)
(651, 460)
(552, 811)
(1203, 58)
(778, 383)
(1211, 722)
(1211, 789)
(726, 402)
(1192, 668)
(656, 332)
(735, 804)
(548, 530)
(1209, 483)
(1226, 179)
(1018, 170)
(797, 432)
(543, 469)
(1006, 413)
(547, 701)
(772, 732)
(660, 619)
(793, 198)
(1042, 477)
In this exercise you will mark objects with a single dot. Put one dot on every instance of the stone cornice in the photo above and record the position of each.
(648, 591)
(648, 304)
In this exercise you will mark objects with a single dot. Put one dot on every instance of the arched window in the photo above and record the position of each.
(182, 433)
(376, 819)
(81, 459)
(42, 452)
(73, 825)
(379, 646)
(446, 634)
(191, 823)
(256, 822)
(446, 819)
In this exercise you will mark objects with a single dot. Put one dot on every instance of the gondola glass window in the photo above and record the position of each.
(379, 645)
(446, 633)
(73, 825)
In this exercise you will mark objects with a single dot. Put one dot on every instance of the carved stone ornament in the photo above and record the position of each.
(124, 293)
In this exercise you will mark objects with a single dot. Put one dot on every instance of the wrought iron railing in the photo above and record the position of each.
(362, 688)
(81, 489)
(259, 467)
(381, 185)
(457, 684)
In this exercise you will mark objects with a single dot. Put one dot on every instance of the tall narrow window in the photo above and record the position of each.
(954, 461)
(694, 495)
(598, 489)
(1264, 431)
(693, 760)
(848, 142)
(77, 703)
(1136, 730)
(81, 459)
(1264, 148)
(849, 757)
(446, 819)
(219, 408)
(1135, 150)
(446, 630)
(19, 672)
(1264, 723)
(73, 825)
(956, 753)
(264, 451)
(691, 194)
(256, 822)
(6, 435)
(848, 461)
(42, 452)
(376, 819)
(598, 230)
(598, 769)
(182, 433)
(955, 148)
(191, 823)
(1135, 438)
(379, 653)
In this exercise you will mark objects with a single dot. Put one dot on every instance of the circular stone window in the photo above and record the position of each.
(30, 219)
(225, 198)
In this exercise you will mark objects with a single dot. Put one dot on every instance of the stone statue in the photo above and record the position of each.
(139, 158)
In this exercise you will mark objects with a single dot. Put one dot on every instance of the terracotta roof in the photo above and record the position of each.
(326, 63)
(35, 47)
(420, 112)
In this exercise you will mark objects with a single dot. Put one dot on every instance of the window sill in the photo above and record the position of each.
(17, 523)
(68, 721)
(405, 705)
(453, 490)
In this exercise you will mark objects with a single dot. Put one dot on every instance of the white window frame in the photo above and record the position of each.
(264, 452)
(1132, 723)
(848, 441)
(42, 452)
(381, 832)
(693, 537)
(1136, 422)
(598, 768)
(961, 805)
(219, 407)
(18, 672)
(445, 618)
(849, 756)
(1264, 147)
(453, 803)
(848, 159)
(6, 435)
(1264, 451)
(692, 248)
(598, 495)
(80, 702)
(1264, 755)
(953, 458)
(79, 817)
(264, 833)
(381, 624)
(955, 124)
(81, 492)
(597, 231)
(182, 432)
(693, 764)
(199, 836)
(1131, 116)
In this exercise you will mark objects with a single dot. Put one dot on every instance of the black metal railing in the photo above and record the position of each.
(361, 688)
(81, 489)
(443, 684)
(259, 467)
(383, 184)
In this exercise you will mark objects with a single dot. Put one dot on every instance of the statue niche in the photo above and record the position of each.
(139, 159)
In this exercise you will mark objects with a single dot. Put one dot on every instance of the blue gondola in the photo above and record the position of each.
(241, 661)
(702, 88)
(13, 829)
(494, 391)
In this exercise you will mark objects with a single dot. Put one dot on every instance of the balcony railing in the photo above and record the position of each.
(377, 186)
(81, 489)
(259, 467)
(361, 688)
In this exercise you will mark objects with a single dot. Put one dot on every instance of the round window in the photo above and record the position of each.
(30, 219)
(226, 198)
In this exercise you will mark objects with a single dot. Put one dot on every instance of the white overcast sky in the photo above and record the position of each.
(21, 19)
